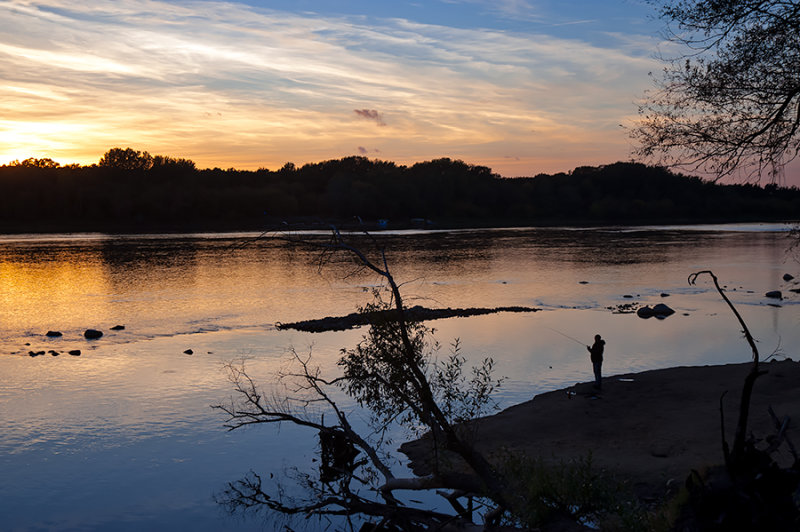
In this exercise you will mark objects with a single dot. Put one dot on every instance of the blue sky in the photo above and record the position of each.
(566, 19)
(522, 86)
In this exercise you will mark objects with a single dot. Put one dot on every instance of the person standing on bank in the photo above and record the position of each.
(596, 352)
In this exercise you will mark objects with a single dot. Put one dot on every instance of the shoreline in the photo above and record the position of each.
(48, 227)
(647, 429)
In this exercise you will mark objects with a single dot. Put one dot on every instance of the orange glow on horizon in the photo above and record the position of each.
(260, 88)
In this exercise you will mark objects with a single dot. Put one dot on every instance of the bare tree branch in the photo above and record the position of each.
(392, 368)
(732, 102)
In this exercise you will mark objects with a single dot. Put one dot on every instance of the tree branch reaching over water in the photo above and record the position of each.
(731, 101)
(392, 373)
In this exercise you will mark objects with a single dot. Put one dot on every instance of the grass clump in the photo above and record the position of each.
(574, 491)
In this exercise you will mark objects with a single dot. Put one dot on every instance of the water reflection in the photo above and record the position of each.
(156, 264)
(126, 426)
(46, 286)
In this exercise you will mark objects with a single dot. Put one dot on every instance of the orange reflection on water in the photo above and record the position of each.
(43, 292)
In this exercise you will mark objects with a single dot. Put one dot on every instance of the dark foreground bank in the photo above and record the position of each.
(648, 429)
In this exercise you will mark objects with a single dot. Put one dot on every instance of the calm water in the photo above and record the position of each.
(122, 437)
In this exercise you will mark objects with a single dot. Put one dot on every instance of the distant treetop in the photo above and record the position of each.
(32, 162)
(126, 159)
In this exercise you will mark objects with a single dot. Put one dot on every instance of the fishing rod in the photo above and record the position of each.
(566, 336)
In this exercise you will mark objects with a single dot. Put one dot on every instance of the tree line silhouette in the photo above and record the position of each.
(132, 190)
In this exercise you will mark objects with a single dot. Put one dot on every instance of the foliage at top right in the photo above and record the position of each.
(729, 102)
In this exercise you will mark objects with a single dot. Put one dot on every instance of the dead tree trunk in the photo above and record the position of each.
(736, 459)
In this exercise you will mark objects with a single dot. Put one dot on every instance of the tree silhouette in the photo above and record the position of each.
(132, 189)
(390, 373)
(32, 162)
(731, 102)
(126, 159)
(166, 163)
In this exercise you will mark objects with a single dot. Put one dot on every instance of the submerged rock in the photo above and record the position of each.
(659, 311)
(92, 334)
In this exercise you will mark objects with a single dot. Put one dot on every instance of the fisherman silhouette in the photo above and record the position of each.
(596, 351)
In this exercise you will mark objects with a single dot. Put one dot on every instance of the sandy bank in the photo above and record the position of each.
(646, 427)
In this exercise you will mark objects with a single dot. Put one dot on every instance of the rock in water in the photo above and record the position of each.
(788, 277)
(118, 328)
(660, 311)
(75, 352)
(188, 352)
(53, 334)
(92, 334)
(775, 294)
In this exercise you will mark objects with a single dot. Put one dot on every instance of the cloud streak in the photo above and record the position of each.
(230, 85)
(370, 114)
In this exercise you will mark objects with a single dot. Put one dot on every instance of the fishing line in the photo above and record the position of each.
(571, 338)
(566, 335)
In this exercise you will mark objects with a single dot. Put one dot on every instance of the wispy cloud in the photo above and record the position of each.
(517, 9)
(370, 114)
(574, 22)
(365, 151)
(230, 85)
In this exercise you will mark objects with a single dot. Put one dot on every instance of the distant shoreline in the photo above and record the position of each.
(348, 225)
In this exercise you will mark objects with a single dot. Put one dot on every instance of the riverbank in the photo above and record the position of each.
(648, 429)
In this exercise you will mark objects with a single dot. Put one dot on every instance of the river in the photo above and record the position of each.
(122, 436)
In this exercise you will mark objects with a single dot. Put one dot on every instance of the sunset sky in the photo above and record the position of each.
(521, 86)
